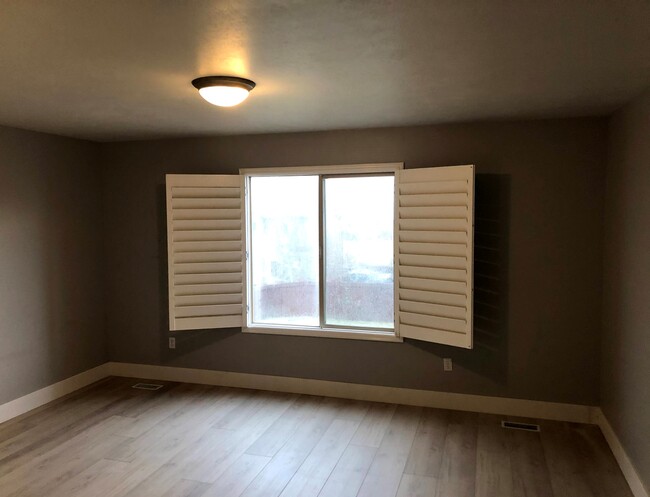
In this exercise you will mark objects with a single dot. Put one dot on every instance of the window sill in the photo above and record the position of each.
(381, 336)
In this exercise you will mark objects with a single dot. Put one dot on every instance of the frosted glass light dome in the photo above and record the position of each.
(224, 91)
(224, 96)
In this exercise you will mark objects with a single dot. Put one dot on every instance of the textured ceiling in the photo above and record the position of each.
(121, 69)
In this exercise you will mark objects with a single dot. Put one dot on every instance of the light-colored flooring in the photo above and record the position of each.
(199, 441)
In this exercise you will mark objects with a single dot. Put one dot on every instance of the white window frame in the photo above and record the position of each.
(316, 331)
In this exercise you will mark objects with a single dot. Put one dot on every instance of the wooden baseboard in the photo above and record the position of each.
(425, 398)
(47, 394)
(628, 469)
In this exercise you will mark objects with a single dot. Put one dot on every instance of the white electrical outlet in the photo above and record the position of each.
(447, 364)
(172, 342)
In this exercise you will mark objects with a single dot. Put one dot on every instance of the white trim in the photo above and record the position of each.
(246, 250)
(47, 394)
(323, 331)
(382, 167)
(388, 336)
(628, 469)
(396, 257)
(425, 398)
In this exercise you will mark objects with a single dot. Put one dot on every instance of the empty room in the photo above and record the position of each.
(334, 248)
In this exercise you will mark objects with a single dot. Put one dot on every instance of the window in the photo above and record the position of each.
(370, 251)
(320, 252)
(358, 251)
(284, 248)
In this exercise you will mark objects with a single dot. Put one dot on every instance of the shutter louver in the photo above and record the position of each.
(435, 254)
(204, 249)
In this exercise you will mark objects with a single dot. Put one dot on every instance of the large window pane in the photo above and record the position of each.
(284, 250)
(359, 251)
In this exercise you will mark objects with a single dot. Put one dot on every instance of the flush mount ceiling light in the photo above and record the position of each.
(224, 91)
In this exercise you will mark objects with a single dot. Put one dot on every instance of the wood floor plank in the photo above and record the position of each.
(71, 424)
(17, 444)
(163, 406)
(417, 486)
(354, 410)
(386, 470)
(493, 468)
(284, 427)
(77, 442)
(93, 481)
(315, 470)
(64, 421)
(186, 488)
(146, 399)
(230, 448)
(374, 425)
(601, 471)
(134, 475)
(568, 478)
(458, 470)
(15, 427)
(530, 476)
(158, 445)
(63, 463)
(349, 473)
(425, 458)
(102, 392)
(275, 476)
(150, 454)
(157, 482)
(253, 402)
(176, 432)
(233, 481)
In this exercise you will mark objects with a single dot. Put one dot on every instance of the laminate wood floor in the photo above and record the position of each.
(198, 441)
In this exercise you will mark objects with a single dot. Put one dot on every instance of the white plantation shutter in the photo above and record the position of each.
(435, 240)
(204, 247)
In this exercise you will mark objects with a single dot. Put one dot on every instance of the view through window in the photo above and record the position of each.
(321, 251)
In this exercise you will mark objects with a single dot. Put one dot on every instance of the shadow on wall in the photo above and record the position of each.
(489, 357)
(491, 242)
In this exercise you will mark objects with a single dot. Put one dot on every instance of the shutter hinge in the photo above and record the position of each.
(246, 255)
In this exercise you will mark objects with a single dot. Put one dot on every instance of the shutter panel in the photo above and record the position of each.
(204, 251)
(435, 254)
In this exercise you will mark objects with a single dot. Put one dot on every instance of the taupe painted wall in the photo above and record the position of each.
(541, 189)
(626, 335)
(51, 288)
